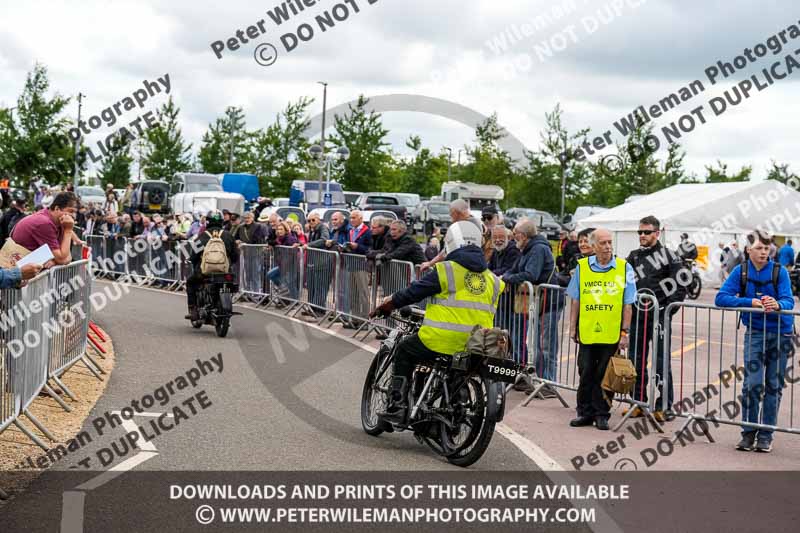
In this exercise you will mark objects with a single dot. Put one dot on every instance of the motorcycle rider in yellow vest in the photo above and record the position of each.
(602, 289)
(464, 293)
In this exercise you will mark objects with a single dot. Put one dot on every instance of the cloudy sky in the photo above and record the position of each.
(608, 57)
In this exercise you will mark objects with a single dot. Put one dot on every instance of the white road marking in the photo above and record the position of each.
(73, 500)
(559, 476)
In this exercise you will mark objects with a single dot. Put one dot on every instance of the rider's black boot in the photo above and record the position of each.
(397, 407)
(194, 313)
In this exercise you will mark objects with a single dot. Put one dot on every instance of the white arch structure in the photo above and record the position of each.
(420, 104)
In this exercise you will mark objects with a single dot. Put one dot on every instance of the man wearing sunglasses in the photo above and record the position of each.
(657, 273)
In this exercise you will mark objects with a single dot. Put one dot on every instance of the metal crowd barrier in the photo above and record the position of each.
(10, 330)
(97, 245)
(286, 277)
(70, 287)
(255, 260)
(716, 381)
(164, 262)
(387, 278)
(514, 315)
(353, 292)
(321, 276)
(140, 259)
(553, 363)
(44, 327)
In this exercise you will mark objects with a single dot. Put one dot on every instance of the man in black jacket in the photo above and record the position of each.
(380, 228)
(505, 253)
(13, 214)
(400, 246)
(657, 273)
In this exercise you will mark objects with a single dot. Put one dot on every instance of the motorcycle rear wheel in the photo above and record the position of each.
(479, 426)
(221, 326)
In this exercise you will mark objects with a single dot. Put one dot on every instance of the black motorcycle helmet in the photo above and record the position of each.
(214, 219)
(19, 195)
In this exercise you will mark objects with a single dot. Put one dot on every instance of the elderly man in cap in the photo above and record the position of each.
(603, 291)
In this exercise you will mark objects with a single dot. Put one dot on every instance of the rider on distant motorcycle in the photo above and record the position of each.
(195, 280)
(687, 250)
(464, 293)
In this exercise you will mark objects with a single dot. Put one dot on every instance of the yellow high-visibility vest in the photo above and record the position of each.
(601, 303)
(467, 299)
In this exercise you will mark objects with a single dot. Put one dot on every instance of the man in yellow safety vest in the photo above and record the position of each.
(602, 289)
(465, 293)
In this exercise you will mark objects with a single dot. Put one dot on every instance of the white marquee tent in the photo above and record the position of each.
(710, 213)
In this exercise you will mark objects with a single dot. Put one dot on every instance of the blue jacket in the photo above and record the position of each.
(10, 278)
(536, 264)
(786, 255)
(470, 257)
(340, 236)
(761, 281)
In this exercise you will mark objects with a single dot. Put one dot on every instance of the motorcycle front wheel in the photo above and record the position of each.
(693, 291)
(373, 397)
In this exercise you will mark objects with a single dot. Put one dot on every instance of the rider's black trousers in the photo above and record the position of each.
(193, 284)
(410, 353)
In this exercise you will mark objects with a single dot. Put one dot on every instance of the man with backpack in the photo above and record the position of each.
(213, 251)
(764, 284)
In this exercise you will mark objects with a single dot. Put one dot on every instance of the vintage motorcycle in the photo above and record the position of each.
(215, 302)
(453, 405)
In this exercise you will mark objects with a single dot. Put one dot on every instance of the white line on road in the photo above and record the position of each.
(72, 510)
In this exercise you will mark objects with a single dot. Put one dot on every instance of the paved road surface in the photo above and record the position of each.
(287, 399)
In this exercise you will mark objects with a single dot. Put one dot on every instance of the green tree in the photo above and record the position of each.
(211, 158)
(226, 144)
(166, 152)
(363, 134)
(424, 173)
(720, 174)
(279, 154)
(783, 174)
(33, 137)
(116, 168)
(487, 163)
(539, 184)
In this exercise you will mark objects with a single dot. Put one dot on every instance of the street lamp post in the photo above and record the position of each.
(324, 160)
(449, 158)
(75, 175)
(322, 138)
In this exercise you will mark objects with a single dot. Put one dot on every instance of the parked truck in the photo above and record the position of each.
(200, 193)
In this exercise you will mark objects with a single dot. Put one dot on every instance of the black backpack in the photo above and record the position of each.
(743, 278)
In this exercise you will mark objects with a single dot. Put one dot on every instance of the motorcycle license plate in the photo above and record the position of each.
(155, 206)
(503, 370)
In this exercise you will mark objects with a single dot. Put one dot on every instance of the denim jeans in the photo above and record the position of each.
(764, 372)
